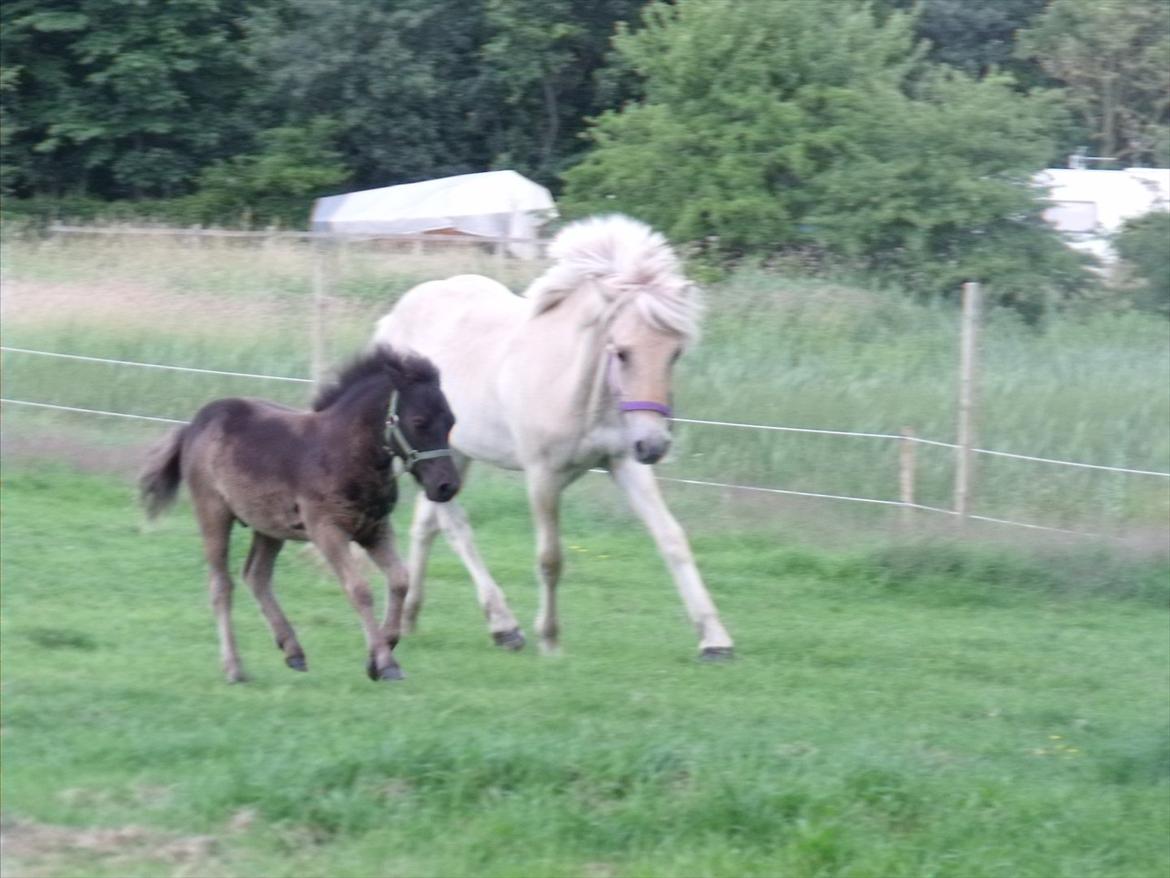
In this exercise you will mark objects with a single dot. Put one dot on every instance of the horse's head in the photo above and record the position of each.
(420, 423)
(631, 296)
(640, 366)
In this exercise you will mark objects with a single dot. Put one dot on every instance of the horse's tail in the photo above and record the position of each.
(158, 484)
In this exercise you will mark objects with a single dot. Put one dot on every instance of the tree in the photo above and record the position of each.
(539, 61)
(103, 97)
(278, 183)
(975, 37)
(1113, 57)
(427, 88)
(767, 127)
(1141, 244)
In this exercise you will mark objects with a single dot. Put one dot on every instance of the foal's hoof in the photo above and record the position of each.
(511, 640)
(717, 654)
(297, 663)
(390, 672)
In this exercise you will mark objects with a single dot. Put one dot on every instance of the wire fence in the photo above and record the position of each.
(343, 280)
(904, 503)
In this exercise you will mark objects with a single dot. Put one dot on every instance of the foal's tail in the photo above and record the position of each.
(158, 484)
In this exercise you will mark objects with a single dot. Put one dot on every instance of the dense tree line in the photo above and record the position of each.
(892, 134)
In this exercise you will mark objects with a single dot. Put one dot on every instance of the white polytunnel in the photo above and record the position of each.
(494, 204)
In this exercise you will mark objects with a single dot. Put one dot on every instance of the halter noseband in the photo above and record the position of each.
(409, 455)
(644, 405)
(632, 405)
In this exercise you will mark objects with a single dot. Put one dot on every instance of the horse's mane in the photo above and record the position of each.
(403, 370)
(630, 264)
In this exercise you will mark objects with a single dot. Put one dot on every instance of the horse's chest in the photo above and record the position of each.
(362, 504)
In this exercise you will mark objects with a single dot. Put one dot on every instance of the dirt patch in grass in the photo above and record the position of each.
(38, 850)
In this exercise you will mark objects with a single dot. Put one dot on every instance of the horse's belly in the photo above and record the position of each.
(273, 513)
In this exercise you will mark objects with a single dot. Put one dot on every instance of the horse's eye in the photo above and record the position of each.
(418, 422)
(623, 355)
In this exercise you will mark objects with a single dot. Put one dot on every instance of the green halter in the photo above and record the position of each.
(410, 456)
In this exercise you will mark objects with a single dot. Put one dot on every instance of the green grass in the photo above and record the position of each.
(1087, 386)
(898, 710)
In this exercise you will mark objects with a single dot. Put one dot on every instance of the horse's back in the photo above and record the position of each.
(467, 308)
(465, 326)
(245, 453)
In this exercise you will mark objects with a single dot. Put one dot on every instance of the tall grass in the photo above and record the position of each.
(776, 350)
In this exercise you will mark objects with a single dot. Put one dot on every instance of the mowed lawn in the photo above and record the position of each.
(924, 710)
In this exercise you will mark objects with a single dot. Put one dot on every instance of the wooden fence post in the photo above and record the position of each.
(968, 345)
(317, 344)
(906, 465)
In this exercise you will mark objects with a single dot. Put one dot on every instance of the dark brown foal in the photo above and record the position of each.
(325, 475)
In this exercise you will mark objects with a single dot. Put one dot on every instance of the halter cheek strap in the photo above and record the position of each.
(410, 456)
(632, 405)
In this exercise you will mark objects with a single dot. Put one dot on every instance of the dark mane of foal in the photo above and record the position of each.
(403, 370)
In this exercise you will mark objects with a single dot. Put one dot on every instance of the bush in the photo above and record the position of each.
(791, 126)
(1144, 247)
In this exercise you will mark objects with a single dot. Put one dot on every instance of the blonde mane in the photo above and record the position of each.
(628, 263)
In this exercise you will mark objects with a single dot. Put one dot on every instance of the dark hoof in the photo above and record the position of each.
(717, 654)
(511, 640)
(392, 673)
(297, 663)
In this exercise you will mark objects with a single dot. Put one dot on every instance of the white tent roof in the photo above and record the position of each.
(1091, 205)
(491, 204)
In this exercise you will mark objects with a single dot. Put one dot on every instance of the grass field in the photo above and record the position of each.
(902, 704)
(908, 711)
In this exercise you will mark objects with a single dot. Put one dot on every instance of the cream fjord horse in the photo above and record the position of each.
(573, 375)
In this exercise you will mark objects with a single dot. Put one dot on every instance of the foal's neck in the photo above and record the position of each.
(365, 406)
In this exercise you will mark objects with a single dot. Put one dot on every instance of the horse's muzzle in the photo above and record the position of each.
(439, 479)
(443, 491)
(651, 450)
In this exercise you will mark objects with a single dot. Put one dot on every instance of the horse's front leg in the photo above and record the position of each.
(334, 545)
(544, 499)
(502, 624)
(385, 556)
(641, 489)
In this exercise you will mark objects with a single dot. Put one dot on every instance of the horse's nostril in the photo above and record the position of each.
(447, 490)
(640, 448)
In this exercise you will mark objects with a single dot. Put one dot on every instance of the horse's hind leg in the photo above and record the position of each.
(258, 574)
(215, 523)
